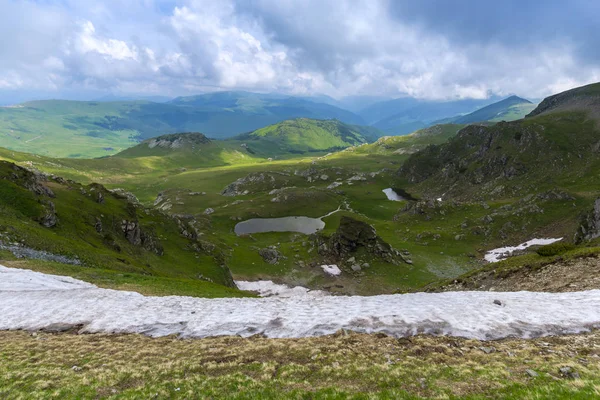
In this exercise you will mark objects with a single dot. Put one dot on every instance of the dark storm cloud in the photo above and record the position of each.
(425, 48)
(511, 23)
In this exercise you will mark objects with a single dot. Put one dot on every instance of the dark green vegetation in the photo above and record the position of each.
(342, 366)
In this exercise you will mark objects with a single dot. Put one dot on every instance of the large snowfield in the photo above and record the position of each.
(31, 300)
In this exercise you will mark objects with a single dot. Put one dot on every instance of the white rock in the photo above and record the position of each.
(331, 269)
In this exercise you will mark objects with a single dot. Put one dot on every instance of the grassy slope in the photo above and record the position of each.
(509, 109)
(481, 159)
(303, 135)
(344, 366)
(76, 236)
(408, 144)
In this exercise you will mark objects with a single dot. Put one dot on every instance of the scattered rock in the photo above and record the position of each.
(590, 225)
(568, 372)
(208, 211)
(270, 255)
(532, 373)
(49, 220)
(98, 225)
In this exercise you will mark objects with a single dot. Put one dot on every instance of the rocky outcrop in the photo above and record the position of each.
(178, 140)
(590, 225)
(263, 181)
(49, 220)
(353, 235)
(137, 237)
(124, 194)
(32, 180)
(271, 255)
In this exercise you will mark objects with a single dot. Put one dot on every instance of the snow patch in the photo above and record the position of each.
(331, 269)
(31, 301)
(271, 289)
(502, 253)
(22, 280)
(392, 195)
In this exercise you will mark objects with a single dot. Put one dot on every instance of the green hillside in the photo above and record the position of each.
(304, 135)
(101, 236)
(583, 98)
(76, 129)
(541, 171)
(510, 156)
(409, 144)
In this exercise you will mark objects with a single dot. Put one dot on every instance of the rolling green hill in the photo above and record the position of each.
(304, 135)
(79, 129)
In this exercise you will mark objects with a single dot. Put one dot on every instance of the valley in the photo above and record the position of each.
(441, 232)
(327, 208)
(308, 200)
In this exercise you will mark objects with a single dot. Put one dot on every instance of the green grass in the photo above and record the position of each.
(166, 253)
(343, 366)
(304, 135)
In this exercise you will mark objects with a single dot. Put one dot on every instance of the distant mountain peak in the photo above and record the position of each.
(515, 98)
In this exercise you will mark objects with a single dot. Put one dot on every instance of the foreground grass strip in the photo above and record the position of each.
(347, 365)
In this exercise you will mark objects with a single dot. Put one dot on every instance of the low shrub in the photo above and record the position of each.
(555, 249)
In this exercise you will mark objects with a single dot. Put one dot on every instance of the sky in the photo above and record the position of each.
(429, 49)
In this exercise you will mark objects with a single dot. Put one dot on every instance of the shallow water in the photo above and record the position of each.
(304, 225)
(392, 195)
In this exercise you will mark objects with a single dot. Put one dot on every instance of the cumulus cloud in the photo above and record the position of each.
(426, 49)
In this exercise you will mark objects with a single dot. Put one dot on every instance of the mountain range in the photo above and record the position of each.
(79, 129)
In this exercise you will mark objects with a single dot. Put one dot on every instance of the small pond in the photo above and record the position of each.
(304, 225)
